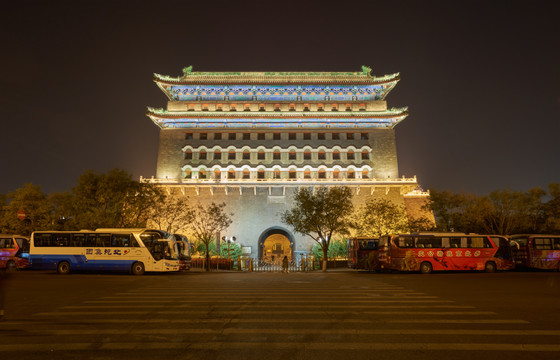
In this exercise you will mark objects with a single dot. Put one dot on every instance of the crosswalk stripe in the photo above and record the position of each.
(298, 331)
(237, 299)
(307, 346)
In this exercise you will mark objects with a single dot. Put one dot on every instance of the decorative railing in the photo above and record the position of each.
(166, 181)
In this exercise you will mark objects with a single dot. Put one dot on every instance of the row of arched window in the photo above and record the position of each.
(259, 155)
(277, 174)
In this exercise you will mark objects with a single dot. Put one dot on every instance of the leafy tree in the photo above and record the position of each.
(337, 249)
(320, 214)
(205, 221)
(379, 217)
(112, 200)
(171, 214)
(38, 210)
(551, 210)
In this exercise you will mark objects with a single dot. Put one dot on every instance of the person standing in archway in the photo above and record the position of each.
(285, 264)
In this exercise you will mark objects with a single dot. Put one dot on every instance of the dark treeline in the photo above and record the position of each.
(503, 212)
(113, 199)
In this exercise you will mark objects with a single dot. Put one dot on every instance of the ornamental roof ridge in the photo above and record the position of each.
(288, 76)
(240, 114)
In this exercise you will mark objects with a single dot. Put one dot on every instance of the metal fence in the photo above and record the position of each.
(303, 263)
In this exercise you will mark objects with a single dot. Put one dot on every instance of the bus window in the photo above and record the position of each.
(42, 240)
(542, 243)
(429, 242)
(78, 240)
(62, 240)
(120, 240)
(405, 242)
(478, 242)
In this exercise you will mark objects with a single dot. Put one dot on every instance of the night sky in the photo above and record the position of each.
(480, 78)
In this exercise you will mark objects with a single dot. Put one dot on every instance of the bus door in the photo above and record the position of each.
(384, 252)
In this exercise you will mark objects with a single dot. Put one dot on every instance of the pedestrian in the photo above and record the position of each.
(285, 264)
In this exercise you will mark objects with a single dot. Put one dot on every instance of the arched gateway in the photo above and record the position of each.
(275, 243)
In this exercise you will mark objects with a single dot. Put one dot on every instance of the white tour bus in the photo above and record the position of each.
(129, 250)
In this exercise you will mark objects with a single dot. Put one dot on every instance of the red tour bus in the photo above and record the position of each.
(427, 252)
(537, 251)
(362, 253)
(14, 252)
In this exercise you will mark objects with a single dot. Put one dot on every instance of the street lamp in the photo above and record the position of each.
(229, 240)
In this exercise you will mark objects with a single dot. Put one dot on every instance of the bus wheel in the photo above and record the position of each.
(490, 267)
(63, 267)
(426, 268)
(10, 267)
(137, 268)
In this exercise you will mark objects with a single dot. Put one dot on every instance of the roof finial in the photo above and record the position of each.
(366, 70)
(187, 70)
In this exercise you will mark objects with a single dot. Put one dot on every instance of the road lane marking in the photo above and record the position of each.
(298, 331)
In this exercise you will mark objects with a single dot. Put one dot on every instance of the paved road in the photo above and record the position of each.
(333, 315)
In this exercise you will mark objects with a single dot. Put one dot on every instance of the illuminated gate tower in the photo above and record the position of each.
(250, 138)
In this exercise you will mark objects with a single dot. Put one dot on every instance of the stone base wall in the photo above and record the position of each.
(257, 209)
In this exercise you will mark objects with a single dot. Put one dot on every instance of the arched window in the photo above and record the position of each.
(188, 174)
(365, 155)
(336, 155)
(307, 155)
(260, 155)
(365, 174)
(217, 155)
(246, 174)
(188, 155)
(217, 174)
(202, 155)
(276, 155)
(322, 174)
(292, 174)
(202, 174)
(246, 155)
(231, 155)
(260, 174)
(292, 155)
(276, 174)
(231, 174)
(351, 174)
(350, 155)
(336, 174)
(307, 174)
(321, 155)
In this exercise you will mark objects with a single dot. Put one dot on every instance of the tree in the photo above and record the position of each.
(552, 209)
(36, 206)
(171, 214)
(205, 221)
(379, 217)
(338, 248)
(319, 213)
(112, 200)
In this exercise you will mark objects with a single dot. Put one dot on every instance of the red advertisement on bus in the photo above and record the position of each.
(445, 252)
(14, 252)
(362, 253)
(534, 251)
